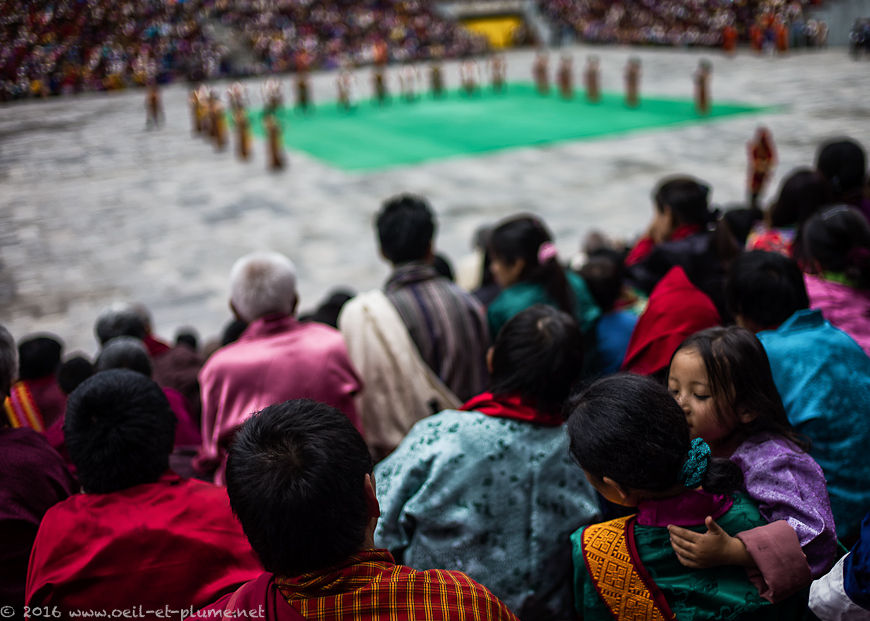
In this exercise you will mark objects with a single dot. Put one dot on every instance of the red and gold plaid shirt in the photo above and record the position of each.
(370, 586)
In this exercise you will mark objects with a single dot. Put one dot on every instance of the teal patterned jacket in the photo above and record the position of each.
(495, 498)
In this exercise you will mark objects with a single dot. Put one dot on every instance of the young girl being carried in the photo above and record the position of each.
(633, 444)
(721, 379)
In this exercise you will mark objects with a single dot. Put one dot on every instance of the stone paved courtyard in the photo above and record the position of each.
(94, 208)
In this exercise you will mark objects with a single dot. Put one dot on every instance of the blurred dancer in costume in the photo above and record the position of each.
(762, 159)
(632, 82)
(592, 79)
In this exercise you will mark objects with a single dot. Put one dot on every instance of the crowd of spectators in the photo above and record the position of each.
(50, 48)
(442, 426)
(672, 23)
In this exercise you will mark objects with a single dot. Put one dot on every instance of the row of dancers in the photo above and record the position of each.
(209, 118)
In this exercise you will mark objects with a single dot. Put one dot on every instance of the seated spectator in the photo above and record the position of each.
(140, 535)
(304, 459)
(36, 400)
(491, 488)
(33, 478)
(420, 343)
(835, 251)
(676, 309)
(525, 264)
(843, 164)
(126, 352)
(821, 373)
(632, 441)
(684, 233)
(801, 194)
(275, 359)
(603, 274)
(844, 592)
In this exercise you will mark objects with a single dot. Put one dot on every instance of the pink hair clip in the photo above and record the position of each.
(546, 252)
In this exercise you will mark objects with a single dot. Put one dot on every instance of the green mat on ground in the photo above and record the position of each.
(373, 137)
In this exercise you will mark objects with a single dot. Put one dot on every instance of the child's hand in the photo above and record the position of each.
(710, 549)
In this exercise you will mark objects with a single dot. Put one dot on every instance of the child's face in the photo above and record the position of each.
(689, 385)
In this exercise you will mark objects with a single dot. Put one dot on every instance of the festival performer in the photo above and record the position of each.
(756, 37)
(218, 120)
(153, 107)
(722, 380)
(592, 80)
(436, 79)
(469, 75)
(195, 111)
(632, 82)
(762, 159)
(565, 77)
(303, 96)
(204, 112)
(633, 443)
(408, 77)
(236, 96)
(729, 39)
(498, 71)
(379, 79)
(541, 73)
(346, 85)
(702, 86)
(273, 99)
(780, 33)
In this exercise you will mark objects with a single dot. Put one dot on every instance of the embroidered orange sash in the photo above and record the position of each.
(21, 409)
(617, 575)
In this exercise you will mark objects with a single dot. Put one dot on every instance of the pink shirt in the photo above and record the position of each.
(844, 306)
(275, 359)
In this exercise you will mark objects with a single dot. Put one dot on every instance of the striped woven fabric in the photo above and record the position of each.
(370, 586)
(21, 409)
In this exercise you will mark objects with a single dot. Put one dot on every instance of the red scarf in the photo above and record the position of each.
(510, 407)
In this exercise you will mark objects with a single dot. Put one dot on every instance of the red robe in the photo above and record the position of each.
(170, 543)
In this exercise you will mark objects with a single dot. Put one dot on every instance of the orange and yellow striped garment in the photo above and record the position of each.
(370, 585)
(21, 409)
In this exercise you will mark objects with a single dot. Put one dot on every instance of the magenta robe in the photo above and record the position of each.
(844, 306)
(275, 359)
(33, 478)
(171, 543)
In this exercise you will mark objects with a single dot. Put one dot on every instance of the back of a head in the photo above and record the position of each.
(124, 352)
(119, 430)
(687, 198)
(261, 284)
(766, 288)
(603, 274)
(630, 429)
(8, 362)
(119, 320)
(74, 370)
(519, 237)
(38, 356)
(538, 355)
(801, 194)
(295, 477)
(837, 240)
(406, 227)
(843, 163)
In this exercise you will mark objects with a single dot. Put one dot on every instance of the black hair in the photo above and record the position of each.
(521, 237)
(442, 265)
(741, 382)
(687, 199)
(123, 322)
(765, 287)
(38, 356)
(628, 428)
(295, 477)
(119, 430)
(124, 352)
(328, 310)
(844, 164)
(603, 273)
(187, 337)
(801, 194)
(838, 240)
(232, 331)
(73, 372)
(405, 227)
(538, 355)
